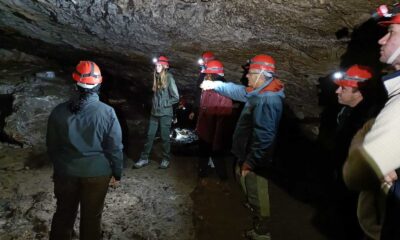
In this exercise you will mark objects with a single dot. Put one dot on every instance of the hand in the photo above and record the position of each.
(113, 183)
(388, 180)
(244, 172)
(246, 168)
(207, 85)
(390, 177)
(191, 115)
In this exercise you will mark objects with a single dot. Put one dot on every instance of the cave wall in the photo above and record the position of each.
(308, 38)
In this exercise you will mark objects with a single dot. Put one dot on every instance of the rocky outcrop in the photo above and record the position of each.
(34, 91)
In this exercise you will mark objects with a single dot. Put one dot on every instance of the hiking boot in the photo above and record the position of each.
(141, 163)
(253, 235)
(164, 164)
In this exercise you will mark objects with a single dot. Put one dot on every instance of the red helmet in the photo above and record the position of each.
(214, 66)
(207, 56)
(163, 60)
(87, 73)
(393, 20)
(355, 76)
(262, 62)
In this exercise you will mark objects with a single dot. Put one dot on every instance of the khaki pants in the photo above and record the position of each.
(164, 122)
(255, 188)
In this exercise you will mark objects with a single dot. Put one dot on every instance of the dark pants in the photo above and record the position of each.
(205, 152)
(165, 128)
(390, 228)
(71, 192)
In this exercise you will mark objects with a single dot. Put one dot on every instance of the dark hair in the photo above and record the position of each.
(75, 105)
(216, 77)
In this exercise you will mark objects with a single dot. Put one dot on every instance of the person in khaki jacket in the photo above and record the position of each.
(374, 154)
(165, 95)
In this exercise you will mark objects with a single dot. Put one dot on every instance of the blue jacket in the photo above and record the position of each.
(258, 123)
(86, 144)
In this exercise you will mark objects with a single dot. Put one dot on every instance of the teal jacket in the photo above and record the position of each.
(163, 99)
(86, 144)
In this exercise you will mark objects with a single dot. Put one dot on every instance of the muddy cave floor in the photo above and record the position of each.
(154, 204)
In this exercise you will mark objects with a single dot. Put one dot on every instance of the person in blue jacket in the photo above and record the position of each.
(255, 133)
(84, 142)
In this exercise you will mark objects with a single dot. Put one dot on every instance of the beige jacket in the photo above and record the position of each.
(377, 154)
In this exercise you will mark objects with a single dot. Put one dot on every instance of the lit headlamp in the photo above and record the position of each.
(200, 61)
(383, 11)
(155, 60)
(338, 75)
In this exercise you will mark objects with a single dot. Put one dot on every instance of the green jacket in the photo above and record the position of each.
(86, 144)
(163, 99)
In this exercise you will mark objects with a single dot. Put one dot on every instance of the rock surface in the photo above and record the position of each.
(308, 38)
(33, 97)
(149, 204)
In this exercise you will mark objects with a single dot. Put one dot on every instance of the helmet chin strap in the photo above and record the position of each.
(393, 56)
(258, 78)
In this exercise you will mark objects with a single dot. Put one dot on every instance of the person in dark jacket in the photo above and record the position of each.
(84, 142)
(373, 160)
(355, 93)
(165, 95)
(255, 133)
(213, 125)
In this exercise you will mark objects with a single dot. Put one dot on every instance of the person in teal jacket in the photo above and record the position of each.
(84, 142)
(255, 133)
(165, 95)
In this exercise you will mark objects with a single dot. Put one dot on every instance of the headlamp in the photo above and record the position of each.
(338, 75)
(383, 11)
(200, 61)
(155, 60)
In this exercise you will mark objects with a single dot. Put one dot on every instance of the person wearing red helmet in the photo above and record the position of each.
(255, 133)
(213, 126)
(357, 93)
(84, 142)
(165, 94)
(350, 83)
(373, 161)
(205, 58)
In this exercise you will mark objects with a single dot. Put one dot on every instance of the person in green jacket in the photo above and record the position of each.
(165, 95)
(84, 142)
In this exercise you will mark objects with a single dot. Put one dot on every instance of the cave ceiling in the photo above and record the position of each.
(308, 38)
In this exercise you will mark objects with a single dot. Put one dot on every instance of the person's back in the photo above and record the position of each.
(76, 141)
(84, 142)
